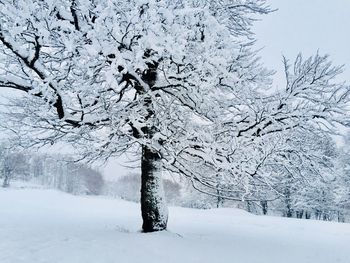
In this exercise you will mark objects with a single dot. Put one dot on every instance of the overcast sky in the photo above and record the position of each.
(305, 26)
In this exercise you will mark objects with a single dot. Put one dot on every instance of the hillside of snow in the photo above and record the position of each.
(38, 225)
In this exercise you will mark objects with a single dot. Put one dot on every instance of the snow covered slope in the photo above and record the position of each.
(39, 225)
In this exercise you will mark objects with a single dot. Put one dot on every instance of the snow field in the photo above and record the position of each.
(38, 225)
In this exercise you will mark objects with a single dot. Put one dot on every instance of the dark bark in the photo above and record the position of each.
(249, 206)
(264, 207)
(153, 206)
(318, 214)
(288, 201)
(219, 200)
(289, 212)
(341, 217)
(7, 173)
(6, 182)
(299, 214)
(307, 215)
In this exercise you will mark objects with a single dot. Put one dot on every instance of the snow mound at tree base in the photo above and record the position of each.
(38, 225)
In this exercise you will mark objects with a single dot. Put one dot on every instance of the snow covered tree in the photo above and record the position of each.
(341, 185)
(308, 186)
(61, 172)
(177, 81)
(13, 164)
(54, 171)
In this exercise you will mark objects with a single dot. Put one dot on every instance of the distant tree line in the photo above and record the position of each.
(319, 190)
(51, 170)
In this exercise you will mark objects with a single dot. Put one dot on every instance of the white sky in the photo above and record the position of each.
(305, 26)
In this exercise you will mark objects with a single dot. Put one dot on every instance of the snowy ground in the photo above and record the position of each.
(39, 225)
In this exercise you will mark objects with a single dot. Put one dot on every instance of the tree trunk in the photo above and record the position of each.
(6, 182)
(288, 202)
(299, 214)
(7, 176)
(219, 200)
(264, 207)
(307, 215)
(153, 205)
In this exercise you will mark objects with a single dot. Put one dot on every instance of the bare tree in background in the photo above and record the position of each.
(12, 164)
